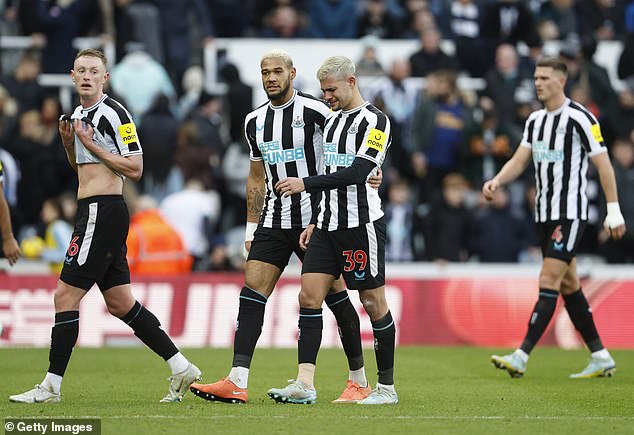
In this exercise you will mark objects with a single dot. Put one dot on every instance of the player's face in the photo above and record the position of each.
(337, 93)
(89, 75)
(549, 83)
(277, 79)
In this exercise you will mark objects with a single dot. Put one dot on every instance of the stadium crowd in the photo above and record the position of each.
(446, 140)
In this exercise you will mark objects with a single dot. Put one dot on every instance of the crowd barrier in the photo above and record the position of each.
(455, 305)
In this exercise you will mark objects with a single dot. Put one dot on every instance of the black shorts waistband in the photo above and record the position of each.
(99, 198)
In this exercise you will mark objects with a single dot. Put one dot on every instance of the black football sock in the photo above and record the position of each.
(581, 315)
(63, 338)
(311, 324)
(384, 343)
(249, 326)
(148, 328)
(542, 313)
(349, 327)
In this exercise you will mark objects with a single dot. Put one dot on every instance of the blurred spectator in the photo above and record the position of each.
(284, 22)
(379, 21)
(629, 17)
(50, 112)
(592, 78)
(138, 80)
(621, 123)
(601, 19)
(61, 21)
(622, 251)
(400, 223)
(368, 64)
(508, 21)
(230, 21)
(218, 259)
(497, 234)
(154, 246)
(52, 247)
(193, 212)
(430, 57)
(23, 85)
(558, 20)
(8, 117)
(68, 202)
(138, 22)
(625, 67)
(488, 145)
(210, 143)
(39, 177)
(235, 170)
(193, 83)
(501, 83)
(447, 227)
(397, 97)
(438, 130)
(158, 132)
(464, 22)
(177, 31)
(418, 18)
(239, 100)
(332, 19)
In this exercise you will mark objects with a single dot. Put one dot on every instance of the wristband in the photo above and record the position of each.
(614, 217)
(250, 231)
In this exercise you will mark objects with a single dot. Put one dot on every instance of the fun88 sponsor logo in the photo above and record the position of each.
(273, 153)
(333, 158)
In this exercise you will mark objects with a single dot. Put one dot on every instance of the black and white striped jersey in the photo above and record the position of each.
(114, 130)
(561, 142)
(288, 140)
(362, 132)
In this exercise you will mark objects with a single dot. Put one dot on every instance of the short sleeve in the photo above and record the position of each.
(376, 140)
(249, 134)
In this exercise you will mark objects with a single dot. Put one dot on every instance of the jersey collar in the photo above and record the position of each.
(560, 108)
(88, 109)
(347, 112)
(285, 105)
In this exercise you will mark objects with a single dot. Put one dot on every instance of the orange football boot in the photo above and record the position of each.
(353, 393)
(222, 391)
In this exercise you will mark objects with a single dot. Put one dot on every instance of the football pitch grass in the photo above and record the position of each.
(450, 390)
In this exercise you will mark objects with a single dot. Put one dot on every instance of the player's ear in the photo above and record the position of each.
(293, 73)
(107, 75)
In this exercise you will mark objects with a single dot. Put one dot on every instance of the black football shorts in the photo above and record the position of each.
(97, 250)
(357, 253)
(275, 246)
(559, 239)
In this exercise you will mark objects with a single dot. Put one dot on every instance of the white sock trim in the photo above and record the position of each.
(239, 376)
(52, 382)
(178, 363)
(523, 355)
(603, 354)
(358, 376)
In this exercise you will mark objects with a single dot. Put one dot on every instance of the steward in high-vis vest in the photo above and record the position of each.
(154, 247)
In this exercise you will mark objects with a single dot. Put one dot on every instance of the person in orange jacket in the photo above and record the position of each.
(154, 247)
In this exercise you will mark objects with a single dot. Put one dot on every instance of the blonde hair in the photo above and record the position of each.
(94, 53)
(340, 67)
(278, 53)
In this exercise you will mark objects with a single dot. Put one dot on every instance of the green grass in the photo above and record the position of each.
(441, 390)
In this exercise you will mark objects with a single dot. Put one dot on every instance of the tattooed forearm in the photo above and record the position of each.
(255, 202)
